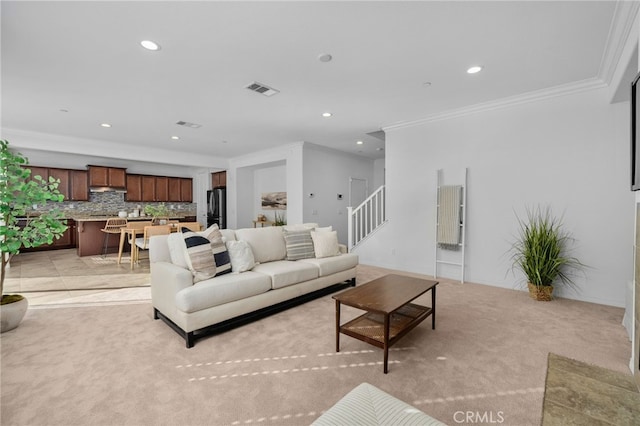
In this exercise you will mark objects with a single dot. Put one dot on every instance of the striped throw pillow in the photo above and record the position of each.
(299, 244)
(220, 253)
(199, 256)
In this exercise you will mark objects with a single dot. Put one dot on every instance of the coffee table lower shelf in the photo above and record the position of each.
(370, 327)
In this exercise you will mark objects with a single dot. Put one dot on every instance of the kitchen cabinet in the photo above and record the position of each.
(111, 177)
(67, 240)
(78, 185)
(175, 189)
(162, 188)
(73, 183)
(63, 175)
(219, 179)
(148, 188)
(38, 171)
(134, 188)
(186, 190)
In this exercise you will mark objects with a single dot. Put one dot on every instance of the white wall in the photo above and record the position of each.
(326, 174)
(570, 152)
(268, 179)
(241, 193)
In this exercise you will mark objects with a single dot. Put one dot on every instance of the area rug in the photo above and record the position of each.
(115, 365)
(577, 393)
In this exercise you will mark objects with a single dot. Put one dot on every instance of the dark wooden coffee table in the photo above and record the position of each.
(390, 313)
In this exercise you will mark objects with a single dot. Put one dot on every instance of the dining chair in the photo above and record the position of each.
(192, 226)
(142, 243)
(113, 226)
(129, 233)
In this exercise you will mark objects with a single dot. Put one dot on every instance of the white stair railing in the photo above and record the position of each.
(367, 217)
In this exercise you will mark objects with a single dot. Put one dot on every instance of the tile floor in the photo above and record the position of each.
(61, 277)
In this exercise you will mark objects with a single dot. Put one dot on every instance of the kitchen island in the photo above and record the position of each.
(90, 238)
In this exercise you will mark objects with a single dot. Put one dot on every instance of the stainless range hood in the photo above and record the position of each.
(107, 189)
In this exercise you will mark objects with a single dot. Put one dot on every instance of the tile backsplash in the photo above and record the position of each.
(111, 203)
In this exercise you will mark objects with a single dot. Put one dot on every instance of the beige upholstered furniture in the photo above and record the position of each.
(271, 284)
(366, 405)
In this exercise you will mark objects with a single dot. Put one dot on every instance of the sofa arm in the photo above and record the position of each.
(168, 279)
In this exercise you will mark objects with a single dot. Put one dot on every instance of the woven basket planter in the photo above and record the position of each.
(543, 292)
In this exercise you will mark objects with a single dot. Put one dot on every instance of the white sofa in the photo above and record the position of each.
(217, 303)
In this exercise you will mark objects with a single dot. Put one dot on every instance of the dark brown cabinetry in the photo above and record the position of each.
(38, 171)
(73, 183)
(219, 179)
(134, 188)
(110, 177)
(67, 240)
(175, 189)
(159, 189)
(78, 185)
(162, 188)
(149, 188)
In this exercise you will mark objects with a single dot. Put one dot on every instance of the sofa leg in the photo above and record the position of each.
(155, 314)
(189, 339)
(353, 281)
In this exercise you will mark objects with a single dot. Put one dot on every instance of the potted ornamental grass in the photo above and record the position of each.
(20, 226)
(542, 252)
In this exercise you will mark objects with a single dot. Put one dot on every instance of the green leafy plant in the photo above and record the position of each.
(542, 248)
(279, 219)
(156, 211)
(19, 226)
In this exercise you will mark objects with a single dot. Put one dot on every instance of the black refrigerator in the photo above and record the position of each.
(217, 207)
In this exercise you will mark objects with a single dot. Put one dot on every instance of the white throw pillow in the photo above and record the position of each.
(177, 249)
(325, 243)
(241, 256)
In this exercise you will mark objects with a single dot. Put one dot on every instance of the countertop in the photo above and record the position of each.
(92, 218)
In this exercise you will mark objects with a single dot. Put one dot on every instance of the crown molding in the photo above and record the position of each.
(622, 27)
(509, 102)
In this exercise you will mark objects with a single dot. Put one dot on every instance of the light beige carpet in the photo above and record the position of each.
(115, 365)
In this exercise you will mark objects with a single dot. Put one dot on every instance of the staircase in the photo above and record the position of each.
(365, 219)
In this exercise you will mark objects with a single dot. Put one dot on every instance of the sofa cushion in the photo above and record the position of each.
(284, 273)
(267, 244)
(228, 235)
(220, 290)
(331, 265)
(241, 256)
(199, 257)
(325, 243)
(299, 244)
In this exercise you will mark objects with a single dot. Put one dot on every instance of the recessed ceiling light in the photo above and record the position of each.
(106, 125)
(150, 45)
(359, 142)
(175, 138)
(325, 57)
(474, 69)
(326, 114)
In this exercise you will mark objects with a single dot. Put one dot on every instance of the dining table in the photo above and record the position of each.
(131, 231)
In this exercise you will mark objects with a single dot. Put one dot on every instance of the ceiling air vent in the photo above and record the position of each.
(187, 124)
(262, 89)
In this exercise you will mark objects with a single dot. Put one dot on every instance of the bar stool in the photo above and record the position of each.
(113, 226)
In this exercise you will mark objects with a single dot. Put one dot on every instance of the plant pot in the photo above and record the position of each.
(542, 293)
(11, 314)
